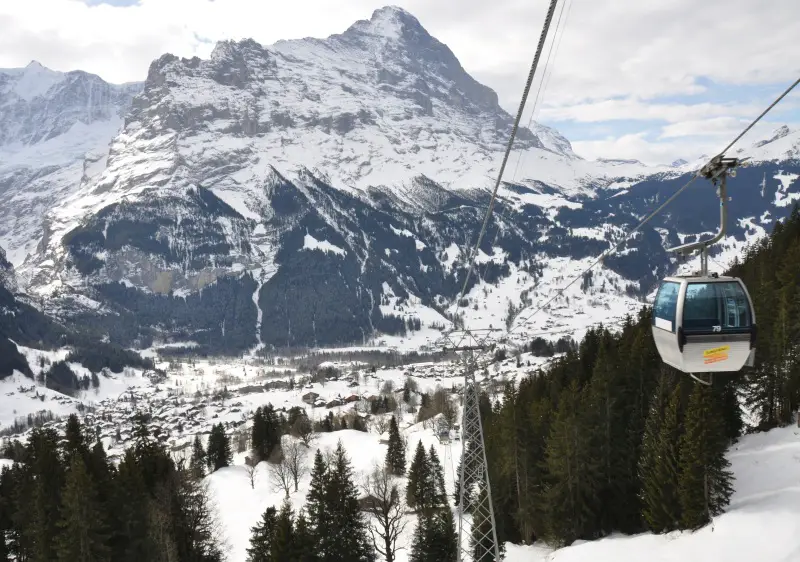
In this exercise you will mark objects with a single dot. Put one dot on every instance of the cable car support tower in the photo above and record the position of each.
(473, 477)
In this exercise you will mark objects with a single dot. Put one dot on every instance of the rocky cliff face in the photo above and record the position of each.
(54, 130)
(320, 191)
(7, 277)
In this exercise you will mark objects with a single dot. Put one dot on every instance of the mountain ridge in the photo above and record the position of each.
(54, 130)
(350, 172)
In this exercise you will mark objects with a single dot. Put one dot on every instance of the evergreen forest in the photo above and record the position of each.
(64, 500)
(607, 439)
(611, 439)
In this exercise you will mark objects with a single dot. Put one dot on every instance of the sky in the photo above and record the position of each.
(654, 80)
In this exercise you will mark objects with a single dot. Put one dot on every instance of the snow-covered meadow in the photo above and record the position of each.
(761, 523)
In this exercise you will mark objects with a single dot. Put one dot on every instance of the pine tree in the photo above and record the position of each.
(418, 478)
(728, 399)
(283, 544)
(607, 400)
(219, 454)
(141, 432)
(75, 440)
(258, 435)
(131, 541)
(350, 540)
(303, 540)
(7, 485)
(272, 436)
(571, 496)
(396, 453)
(658, 469)
(82, 537)
(40, 499)
(198, 461)
(705, 483)
(667, 466)
(422, 540)
(438, 497)
(319, 524)
(435, 538)
(102, 473)
(446, 536)
(263, 537)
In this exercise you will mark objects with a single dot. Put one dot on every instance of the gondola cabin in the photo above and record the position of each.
(704, 324)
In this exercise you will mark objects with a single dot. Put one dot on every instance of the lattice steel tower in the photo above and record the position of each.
(477, 532)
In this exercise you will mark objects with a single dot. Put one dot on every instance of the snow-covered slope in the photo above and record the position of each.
(761, 523)
(321, 192)
(54, 130)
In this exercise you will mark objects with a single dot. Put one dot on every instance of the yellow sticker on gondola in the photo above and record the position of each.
(716, 354)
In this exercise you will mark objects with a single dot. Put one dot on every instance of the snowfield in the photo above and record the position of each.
(762, 522)
(241, 507)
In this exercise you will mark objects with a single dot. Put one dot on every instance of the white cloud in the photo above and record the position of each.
(614, 61)
(621, 48)
(613, 109)
(632, 146)
(688, 140)
(715, 126)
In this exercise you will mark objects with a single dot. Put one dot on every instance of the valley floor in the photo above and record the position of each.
(762, 522)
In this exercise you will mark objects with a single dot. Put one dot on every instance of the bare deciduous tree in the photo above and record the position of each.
(304, 430)
(386, 510)
(381, 424)
(241, 437)
(363, 406)
(280, 476)
(296, 457)
(250, 465)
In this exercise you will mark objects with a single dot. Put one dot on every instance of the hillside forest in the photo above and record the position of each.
(607, 439)
(611, 439)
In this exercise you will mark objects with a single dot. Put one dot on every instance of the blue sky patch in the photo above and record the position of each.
(118, 3)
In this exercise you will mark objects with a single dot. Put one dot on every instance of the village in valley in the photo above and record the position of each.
(336, 401)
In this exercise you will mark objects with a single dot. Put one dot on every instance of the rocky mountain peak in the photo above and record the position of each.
(38, 104)
(21, 85)
(405, 54)
(779, 133)
(391, 22)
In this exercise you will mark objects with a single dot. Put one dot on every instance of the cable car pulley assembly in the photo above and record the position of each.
(706, 323)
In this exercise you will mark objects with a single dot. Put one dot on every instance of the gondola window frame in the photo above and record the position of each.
(665, 309)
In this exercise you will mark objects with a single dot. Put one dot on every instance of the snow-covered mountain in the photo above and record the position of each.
(7, 276)
(321, 191)
(55, 128)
